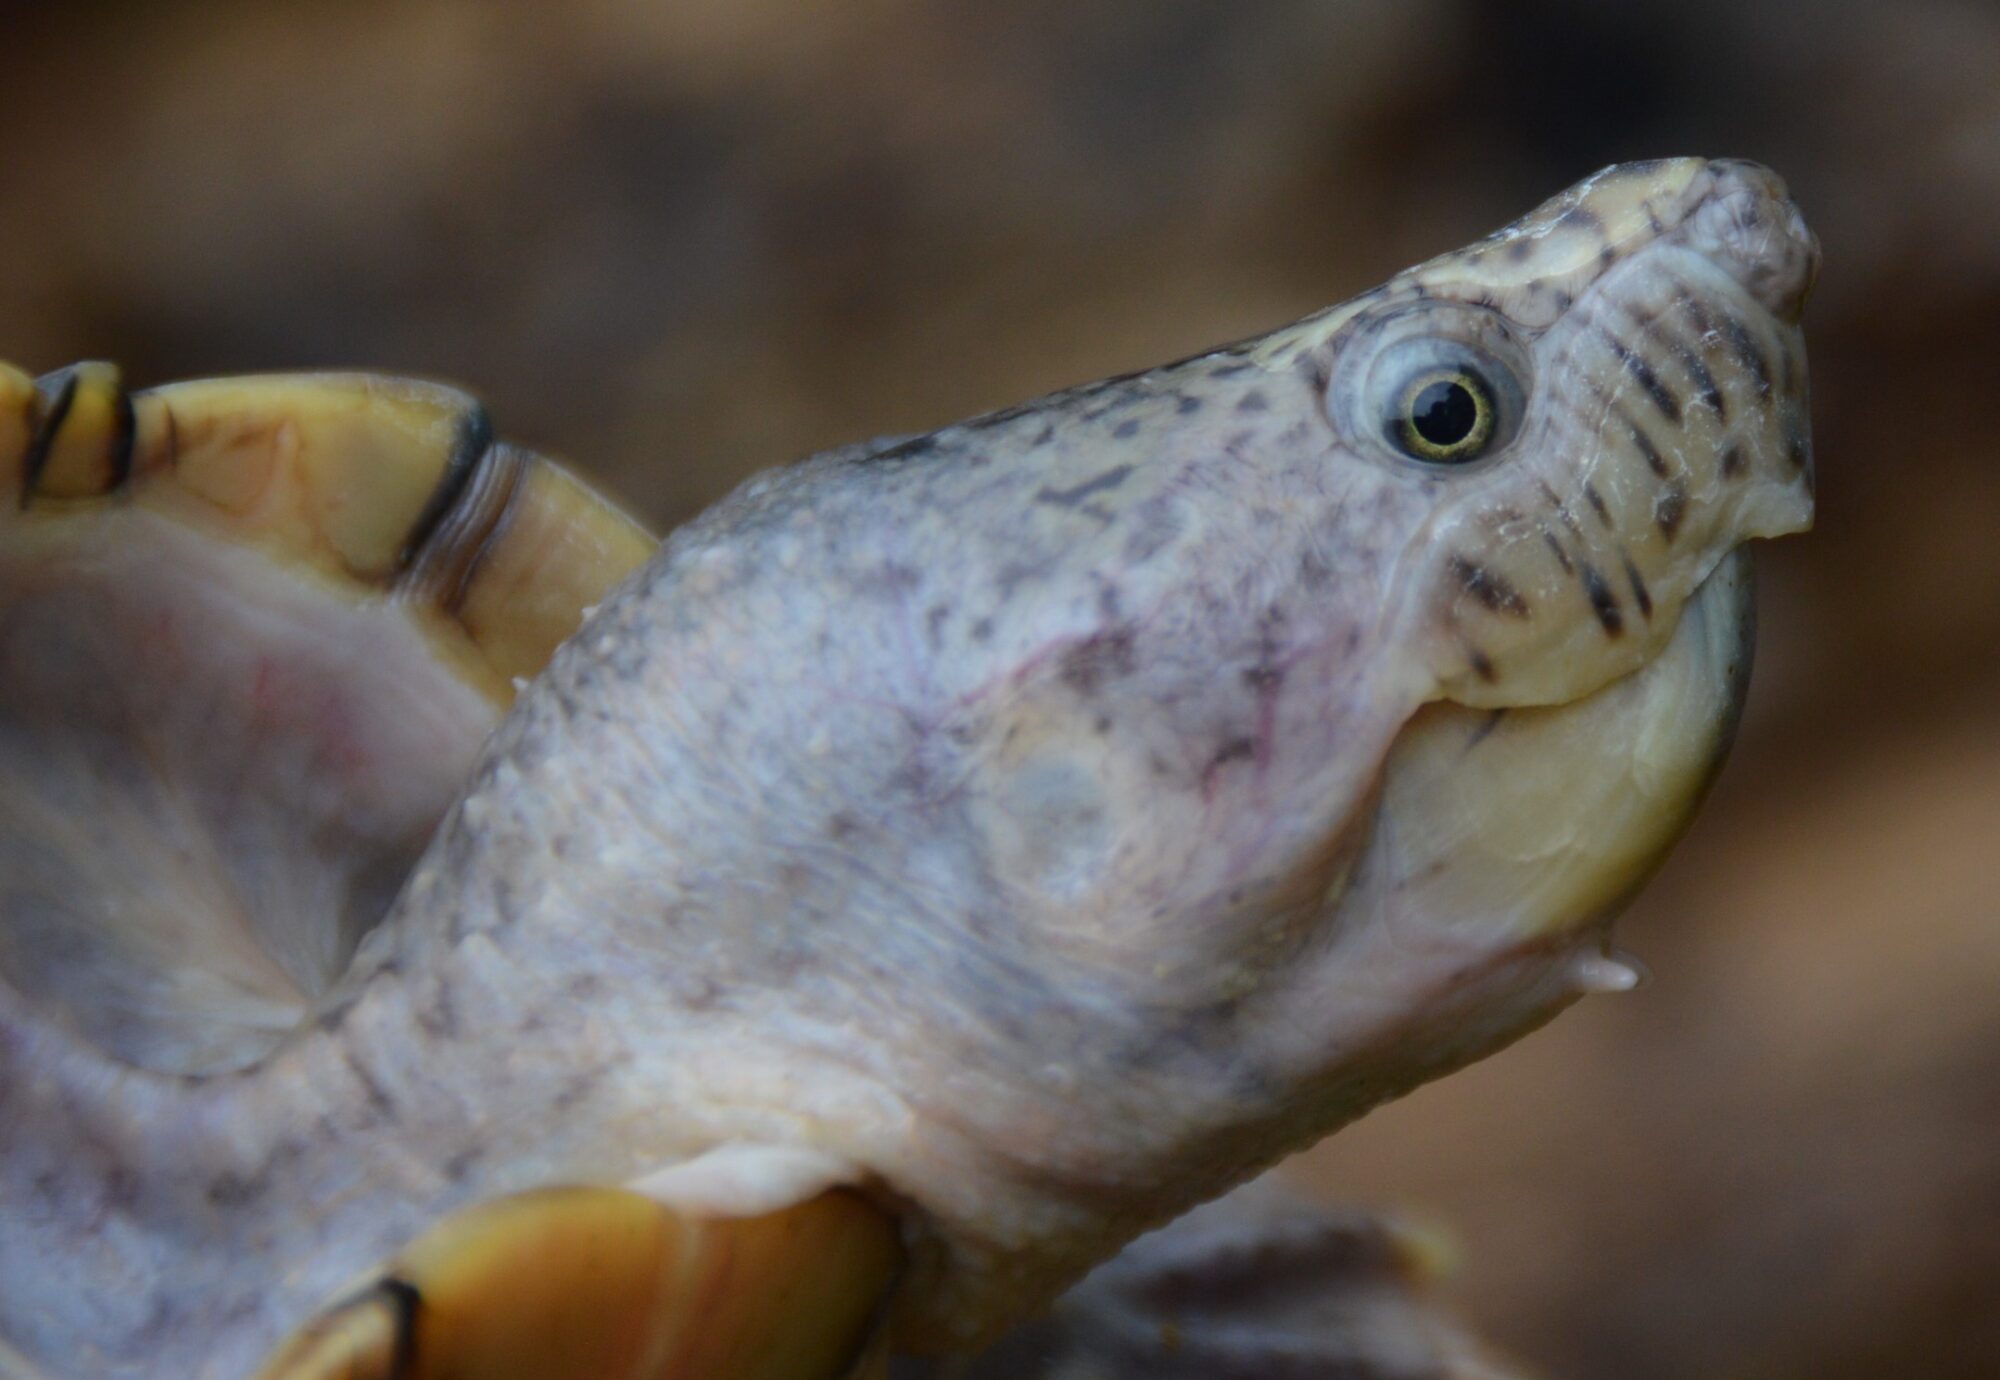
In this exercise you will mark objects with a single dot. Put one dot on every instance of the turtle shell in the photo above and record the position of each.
(252, 634)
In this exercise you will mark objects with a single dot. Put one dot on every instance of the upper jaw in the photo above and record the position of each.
(1738, 214)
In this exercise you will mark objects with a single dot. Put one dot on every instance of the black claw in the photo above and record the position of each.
(57, 391)
(404, 1301)
(469, 446)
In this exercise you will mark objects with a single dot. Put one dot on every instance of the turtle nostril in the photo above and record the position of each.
(1749, 226)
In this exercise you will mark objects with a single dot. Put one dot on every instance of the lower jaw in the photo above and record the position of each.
(1527, 824)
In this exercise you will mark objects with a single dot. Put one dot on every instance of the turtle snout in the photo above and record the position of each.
(1749, 226)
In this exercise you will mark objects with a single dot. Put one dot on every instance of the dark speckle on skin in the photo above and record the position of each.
(1562, 556)
(1669, 508)
(378, 1100)
(1597, 503)
(1253, 401)
(1748, 353)
(1642, 373)
(1704, 381)
(1733, 462)
(1493, 591)
(1642, 596)
(1126, 429)
(1315, 573)
(982, 630)
(1187, 406)
(232, 1190)
(121, 1189)
(1655, 461)
(1263, 678)
(1075, 495)
(1092, 664)
(1697, 314)
(1561, 511)
(1602, 601)
(1482, 665)
(1155, 523)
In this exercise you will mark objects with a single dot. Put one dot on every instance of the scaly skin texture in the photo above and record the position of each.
(994, 810)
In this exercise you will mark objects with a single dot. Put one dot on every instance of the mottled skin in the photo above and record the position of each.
(993, 812)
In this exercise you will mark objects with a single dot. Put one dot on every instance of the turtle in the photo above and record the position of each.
(447, 931)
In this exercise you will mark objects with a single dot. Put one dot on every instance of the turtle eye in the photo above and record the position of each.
(1445, 416)
(1442, 384)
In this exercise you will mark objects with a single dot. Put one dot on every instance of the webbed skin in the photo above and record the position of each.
(1006, 819)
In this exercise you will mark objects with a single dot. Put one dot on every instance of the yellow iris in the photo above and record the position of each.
(1445, 416)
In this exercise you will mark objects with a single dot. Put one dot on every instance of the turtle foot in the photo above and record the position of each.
(1260, 1284)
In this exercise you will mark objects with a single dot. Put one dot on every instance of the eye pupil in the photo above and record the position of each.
(1444, 412)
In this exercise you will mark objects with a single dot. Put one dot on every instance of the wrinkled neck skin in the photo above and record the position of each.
(974, 810)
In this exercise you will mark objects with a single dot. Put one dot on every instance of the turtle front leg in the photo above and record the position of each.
(611, 1284)
(1257, 1284)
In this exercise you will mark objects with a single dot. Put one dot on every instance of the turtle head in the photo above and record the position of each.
(1602, 402)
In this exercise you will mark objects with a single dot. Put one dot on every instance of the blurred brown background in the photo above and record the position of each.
(682, 239)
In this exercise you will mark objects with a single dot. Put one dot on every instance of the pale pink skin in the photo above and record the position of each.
(992, 814)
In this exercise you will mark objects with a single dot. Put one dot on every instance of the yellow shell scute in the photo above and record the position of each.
(344, 464)
(611, 1284)
(384, 490)
(560, 551)
(86, 455)
(17, 430)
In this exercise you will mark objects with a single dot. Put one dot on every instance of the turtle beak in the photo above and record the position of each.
(1534, 822)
